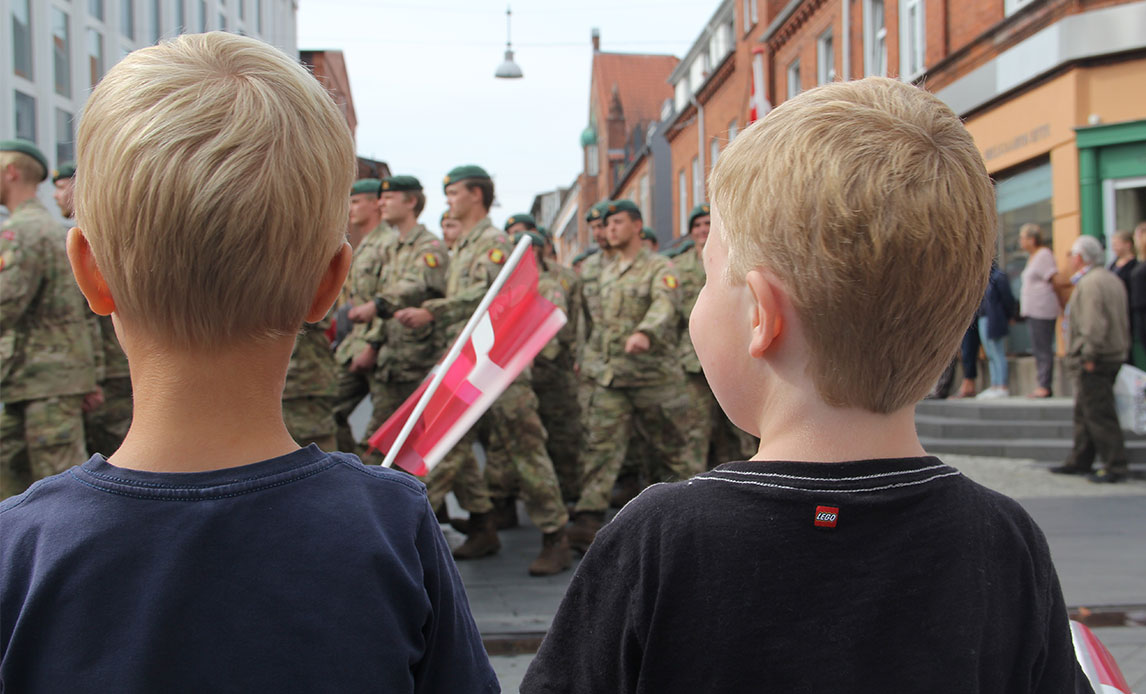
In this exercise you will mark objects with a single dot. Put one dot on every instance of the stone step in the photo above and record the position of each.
(1051, 451)
(1005, 409)
(938, 427)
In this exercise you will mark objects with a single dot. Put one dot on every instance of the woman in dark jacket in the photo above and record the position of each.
(995, 315)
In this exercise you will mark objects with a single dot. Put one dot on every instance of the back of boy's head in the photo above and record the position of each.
(870, 203)
(212, 182)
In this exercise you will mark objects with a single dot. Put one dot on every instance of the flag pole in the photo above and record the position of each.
(456, 349)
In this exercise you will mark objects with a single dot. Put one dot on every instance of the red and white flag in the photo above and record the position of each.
(516, 326)
(759, 105)
(1097, 662)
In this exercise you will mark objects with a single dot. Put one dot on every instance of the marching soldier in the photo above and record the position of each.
(512, 420)
(47, 365)
(414, 271)
(355, 357)
(638, 380)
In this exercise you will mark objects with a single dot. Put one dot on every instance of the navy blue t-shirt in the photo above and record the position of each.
(305, 573)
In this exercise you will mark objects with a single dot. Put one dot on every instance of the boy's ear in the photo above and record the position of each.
(87, 273)
(331, 284)
(766, 321)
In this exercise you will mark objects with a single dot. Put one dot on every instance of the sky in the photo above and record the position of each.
(421, 76)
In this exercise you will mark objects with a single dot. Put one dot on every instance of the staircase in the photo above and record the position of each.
(1007, 428)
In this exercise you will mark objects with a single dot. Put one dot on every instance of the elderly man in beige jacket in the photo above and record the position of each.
(1098, 337)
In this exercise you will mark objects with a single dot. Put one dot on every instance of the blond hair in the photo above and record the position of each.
(212, 179)
(870, 203)
(29, 169)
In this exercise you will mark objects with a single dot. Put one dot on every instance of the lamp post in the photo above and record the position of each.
(508, 70)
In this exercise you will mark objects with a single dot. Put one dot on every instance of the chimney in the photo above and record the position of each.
(596, 34)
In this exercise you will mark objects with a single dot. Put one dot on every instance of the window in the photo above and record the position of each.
(646, 201)
(874, 38)
(259, 14)
(697, 181)
(95, 56)
(242, 9)
(95, 8)
(794, 78)
(911, 38)
(202, 16)
(698, 71)
(156, 20)
(680, 94)
(749, 17)
(127, 18)
(180, 17)
(1012, 6)
(713, 153)
(682, 203)
(825, 59)
(592, 160)
(25, 117)
(62, 52)
(65, 137)
(720, 43)
(733, 131)
(22, 38)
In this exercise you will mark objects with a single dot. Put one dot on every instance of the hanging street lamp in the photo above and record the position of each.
(508, 70)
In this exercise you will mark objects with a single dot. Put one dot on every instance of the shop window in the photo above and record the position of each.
(1022, 197)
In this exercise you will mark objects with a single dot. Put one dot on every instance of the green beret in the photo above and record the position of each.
(66, 170)
(366, 185)
(544, 231)
(622, 206)
(523, 217)
(648, 234)
(686, 245)
(585, 254)
(461, 173)
(535, 238)
(401, 183)
(29, 148)
(700, 210)
(597, 211)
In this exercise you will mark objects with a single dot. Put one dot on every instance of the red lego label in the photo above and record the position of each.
(826, 516)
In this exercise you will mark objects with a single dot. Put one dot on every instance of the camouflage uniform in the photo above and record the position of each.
(713, 438)
(311, 384)
(47, 361)
(106, 426)
(512, 421)
(365, 275)
(645, 390)
(414, 271)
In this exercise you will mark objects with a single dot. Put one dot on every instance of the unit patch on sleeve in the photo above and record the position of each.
(431, 260)
(670, 281)
(496, 255)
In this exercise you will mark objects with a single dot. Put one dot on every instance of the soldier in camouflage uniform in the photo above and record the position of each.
(355, 356)
(720, 440)
(414, 271)
(639, 381)
(311, 386)
(47, 363)
(451, 230)
(512, 420)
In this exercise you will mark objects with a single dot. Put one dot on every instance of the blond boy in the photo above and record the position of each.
(210, 551)
(852, 233)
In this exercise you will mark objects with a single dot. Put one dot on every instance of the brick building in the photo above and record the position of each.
(329, 68)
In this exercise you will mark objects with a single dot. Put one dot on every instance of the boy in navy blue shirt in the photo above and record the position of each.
(210, 552)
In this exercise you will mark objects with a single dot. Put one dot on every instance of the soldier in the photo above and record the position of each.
(311, 387)
(481, 251)
(47, 364)
(107, 411)
(414, 271)
(638, 380)
(649, 239)
(451, 230)
(354, 356)
(720, 440)
(554, 379)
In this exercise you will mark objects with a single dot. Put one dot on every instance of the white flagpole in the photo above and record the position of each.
(456, 349)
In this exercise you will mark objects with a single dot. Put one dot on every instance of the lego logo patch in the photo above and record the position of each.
(496, 255)
(826, 516)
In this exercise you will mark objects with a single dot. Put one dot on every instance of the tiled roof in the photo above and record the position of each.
(642, 81)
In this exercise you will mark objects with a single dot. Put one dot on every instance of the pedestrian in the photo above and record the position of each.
(841, 558)
(210, 551)
(1124, 263)
(1098, 337)
(995, 314)
(48, 357)
(638, 381)
(512, 419)
(1039, 305)
(413, 270)
(1138, 298)
(311, 388)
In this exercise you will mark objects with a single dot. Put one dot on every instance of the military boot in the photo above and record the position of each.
(555, 555)
(505, 513)
(628, 486)
(482, 540)
(584, 529)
